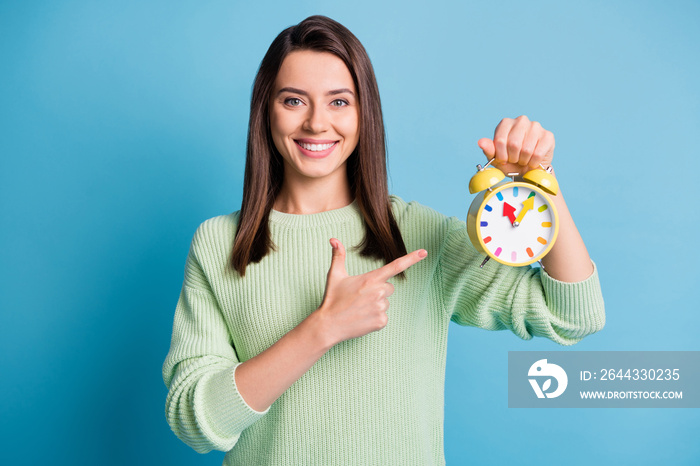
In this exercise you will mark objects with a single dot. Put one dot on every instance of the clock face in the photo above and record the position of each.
(517, 223)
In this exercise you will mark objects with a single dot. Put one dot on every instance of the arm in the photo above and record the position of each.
(563, 303)
(263, 378)
(213, 397)
(520, 145)
(352, 306)
(524, 300)
(203, 406)
(568, 260)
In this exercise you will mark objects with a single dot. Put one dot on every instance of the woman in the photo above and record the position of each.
(279, 357)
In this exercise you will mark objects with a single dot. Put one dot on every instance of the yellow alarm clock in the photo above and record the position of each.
(513, 222)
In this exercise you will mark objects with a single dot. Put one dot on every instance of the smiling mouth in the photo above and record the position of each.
(316, 147)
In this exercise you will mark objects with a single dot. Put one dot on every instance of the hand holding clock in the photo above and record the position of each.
(519, 145)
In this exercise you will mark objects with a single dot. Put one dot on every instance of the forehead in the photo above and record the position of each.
(314, 71)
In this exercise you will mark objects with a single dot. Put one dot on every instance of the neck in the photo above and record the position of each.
(313, 198)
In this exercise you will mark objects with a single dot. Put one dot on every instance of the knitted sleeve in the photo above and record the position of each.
(523, 299)
(203, 406)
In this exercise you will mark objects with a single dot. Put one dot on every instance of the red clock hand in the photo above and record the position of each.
(509, 211)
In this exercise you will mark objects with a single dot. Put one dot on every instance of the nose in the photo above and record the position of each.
(316, 120)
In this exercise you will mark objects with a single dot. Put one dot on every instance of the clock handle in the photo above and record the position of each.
(479, 167)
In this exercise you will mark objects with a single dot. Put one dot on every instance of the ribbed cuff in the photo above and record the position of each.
(578, 303)
(226, 412)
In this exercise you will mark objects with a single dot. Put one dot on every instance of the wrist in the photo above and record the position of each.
(319, 331)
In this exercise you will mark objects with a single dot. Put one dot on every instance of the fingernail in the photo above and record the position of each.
(422, 253)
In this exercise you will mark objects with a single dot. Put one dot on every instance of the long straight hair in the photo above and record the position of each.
(366, 166)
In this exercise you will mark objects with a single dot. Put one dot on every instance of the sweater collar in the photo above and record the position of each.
(349, 212)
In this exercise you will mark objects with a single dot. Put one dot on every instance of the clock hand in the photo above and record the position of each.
(528, 205)
(509, 211)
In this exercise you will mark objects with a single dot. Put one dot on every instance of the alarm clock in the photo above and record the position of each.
(513, 222)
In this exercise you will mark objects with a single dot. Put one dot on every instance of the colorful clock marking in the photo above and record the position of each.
(509, 238)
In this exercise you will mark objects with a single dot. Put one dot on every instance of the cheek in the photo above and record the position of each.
(275, 124)
(279, 128)
(350, 127)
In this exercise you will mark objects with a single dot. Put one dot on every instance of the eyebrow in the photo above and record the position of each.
(294, 90)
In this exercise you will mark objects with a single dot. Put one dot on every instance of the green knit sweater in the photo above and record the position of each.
(373, 400)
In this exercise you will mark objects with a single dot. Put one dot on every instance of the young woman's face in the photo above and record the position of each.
(314, 115)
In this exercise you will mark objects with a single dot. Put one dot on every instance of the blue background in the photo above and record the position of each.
(123, 127)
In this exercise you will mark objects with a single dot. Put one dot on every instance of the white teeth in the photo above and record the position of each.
(316, 147)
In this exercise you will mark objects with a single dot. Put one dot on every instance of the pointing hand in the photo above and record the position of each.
(356, 305)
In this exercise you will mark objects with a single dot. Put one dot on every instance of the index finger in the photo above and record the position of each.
(397, 266)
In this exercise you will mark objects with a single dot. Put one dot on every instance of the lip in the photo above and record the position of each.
(316, 141)
(316, 154)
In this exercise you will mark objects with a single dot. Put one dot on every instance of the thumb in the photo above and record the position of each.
(338, 260)
(488, 147)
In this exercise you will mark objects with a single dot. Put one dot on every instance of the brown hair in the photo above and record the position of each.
(366, 166)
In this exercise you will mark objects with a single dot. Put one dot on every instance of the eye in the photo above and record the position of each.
(292, 101)
(339, 103)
